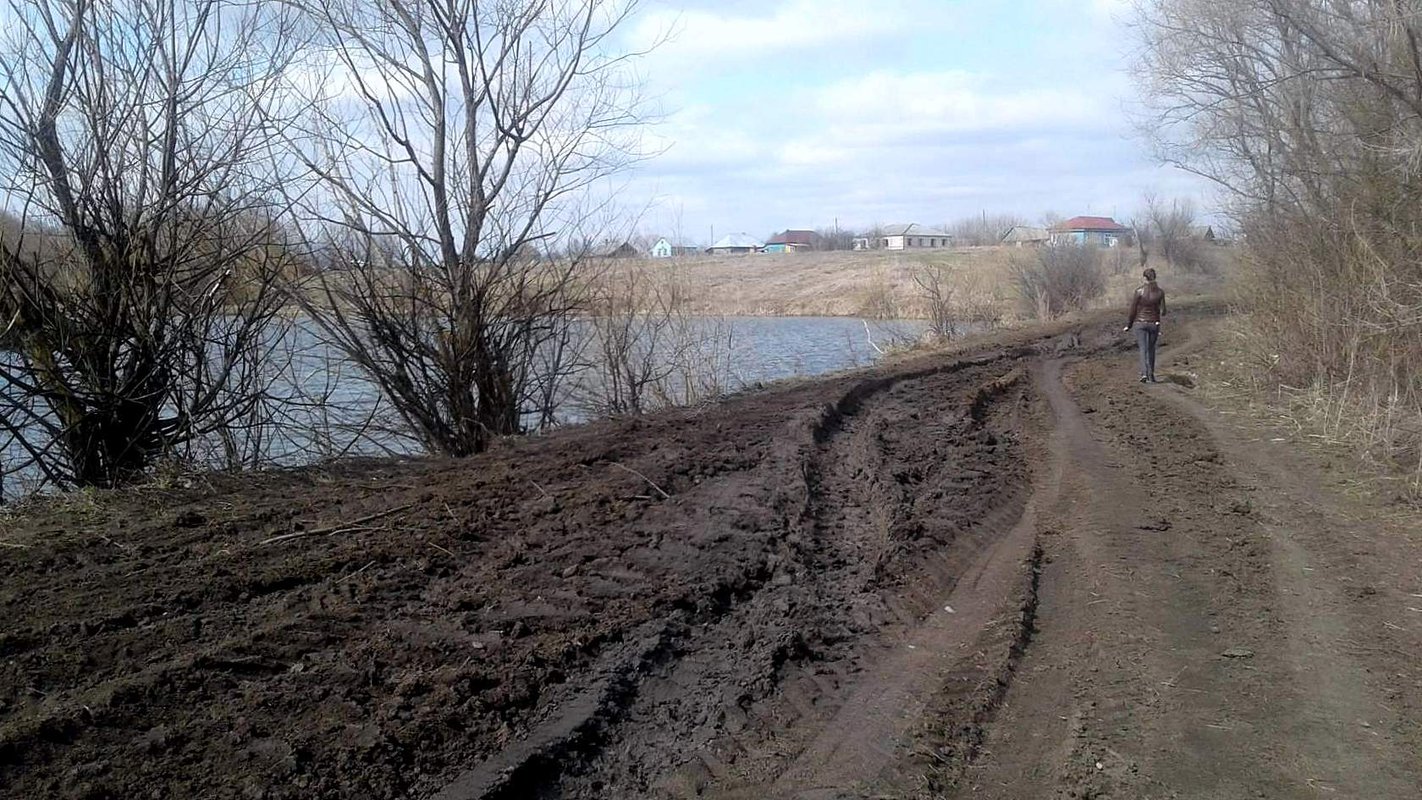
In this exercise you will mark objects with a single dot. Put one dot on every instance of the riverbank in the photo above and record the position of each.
(877, 578)
(379, 628)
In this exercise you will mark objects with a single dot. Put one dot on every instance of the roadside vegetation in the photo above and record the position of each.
(1310, 116)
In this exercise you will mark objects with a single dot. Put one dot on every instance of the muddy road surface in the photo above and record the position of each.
(1008, 571)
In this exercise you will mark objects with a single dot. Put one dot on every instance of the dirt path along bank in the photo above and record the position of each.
(1008, 572)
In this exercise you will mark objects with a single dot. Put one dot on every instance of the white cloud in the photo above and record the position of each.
(800, 113)
(897, 105)
(701, 36)
(697, 138)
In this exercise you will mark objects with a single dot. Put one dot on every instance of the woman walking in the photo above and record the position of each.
(1147, 310)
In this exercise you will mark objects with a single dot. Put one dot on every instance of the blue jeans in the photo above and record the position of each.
(1147, 335)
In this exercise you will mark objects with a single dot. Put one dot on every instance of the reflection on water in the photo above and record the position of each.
(774, 348)
(317, 390)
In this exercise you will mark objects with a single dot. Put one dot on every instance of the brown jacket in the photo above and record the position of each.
(1147, 304)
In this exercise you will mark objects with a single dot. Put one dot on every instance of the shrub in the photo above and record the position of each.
(1055, 280)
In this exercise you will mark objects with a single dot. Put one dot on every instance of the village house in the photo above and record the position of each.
(665, 249)
(735, 243)
(1026, 236)
(613, 249)
(914, 236)
(1099, 231)
(792, 242)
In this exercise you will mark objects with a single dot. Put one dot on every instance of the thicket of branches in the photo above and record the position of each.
(462, 142)
(643, 348)
(1052, 281)
(1309, 113)
(1170, 231)
(137, 279)
(937, 287)
(835, 238)
(402, 170)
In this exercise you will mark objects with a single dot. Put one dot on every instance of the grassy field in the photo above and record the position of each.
(836, 283)
(879, 283)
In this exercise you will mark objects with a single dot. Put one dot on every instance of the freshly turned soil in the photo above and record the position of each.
(1005, 571)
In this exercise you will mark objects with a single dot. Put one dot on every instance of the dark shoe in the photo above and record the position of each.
(1153, 380)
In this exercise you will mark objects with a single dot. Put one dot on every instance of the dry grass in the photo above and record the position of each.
(1335, 331)
(837, 283)
(1341, 421)
(840, 284)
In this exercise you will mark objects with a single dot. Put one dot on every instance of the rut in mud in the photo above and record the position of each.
(627, 607)
(983, 573)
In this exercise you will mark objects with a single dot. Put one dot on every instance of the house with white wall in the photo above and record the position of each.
(914, 237)
(1026, 236)
(665, 249)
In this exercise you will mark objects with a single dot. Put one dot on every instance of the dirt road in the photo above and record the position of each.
(1008, 572)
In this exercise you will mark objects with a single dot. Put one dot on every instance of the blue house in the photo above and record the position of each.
(1099, 231)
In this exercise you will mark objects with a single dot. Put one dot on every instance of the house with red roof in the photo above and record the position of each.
(1099, 231)
(792, 241)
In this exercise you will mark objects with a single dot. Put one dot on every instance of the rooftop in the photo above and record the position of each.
(914, 229)
(736, 240)
(1089, 224)
(806, 238)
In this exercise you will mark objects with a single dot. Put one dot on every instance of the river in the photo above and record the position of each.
(354, 421)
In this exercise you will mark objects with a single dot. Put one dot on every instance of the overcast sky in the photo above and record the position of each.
(792, 113)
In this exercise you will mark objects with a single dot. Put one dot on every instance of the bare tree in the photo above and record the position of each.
(457, 136)
(1170, 228)
(1143, 234)
(834, 238)
(984, 229)
(133, 148)
(935, 283)
(646, 349)
(1309, 114)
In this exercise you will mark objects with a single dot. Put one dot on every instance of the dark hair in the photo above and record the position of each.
(1149, 274)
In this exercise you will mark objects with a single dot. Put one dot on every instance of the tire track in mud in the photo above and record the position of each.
(1178, 654)
(202, 656)
(711, 682)
(839, 720)
(933, 679)
(936, 673)
(577, 637)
